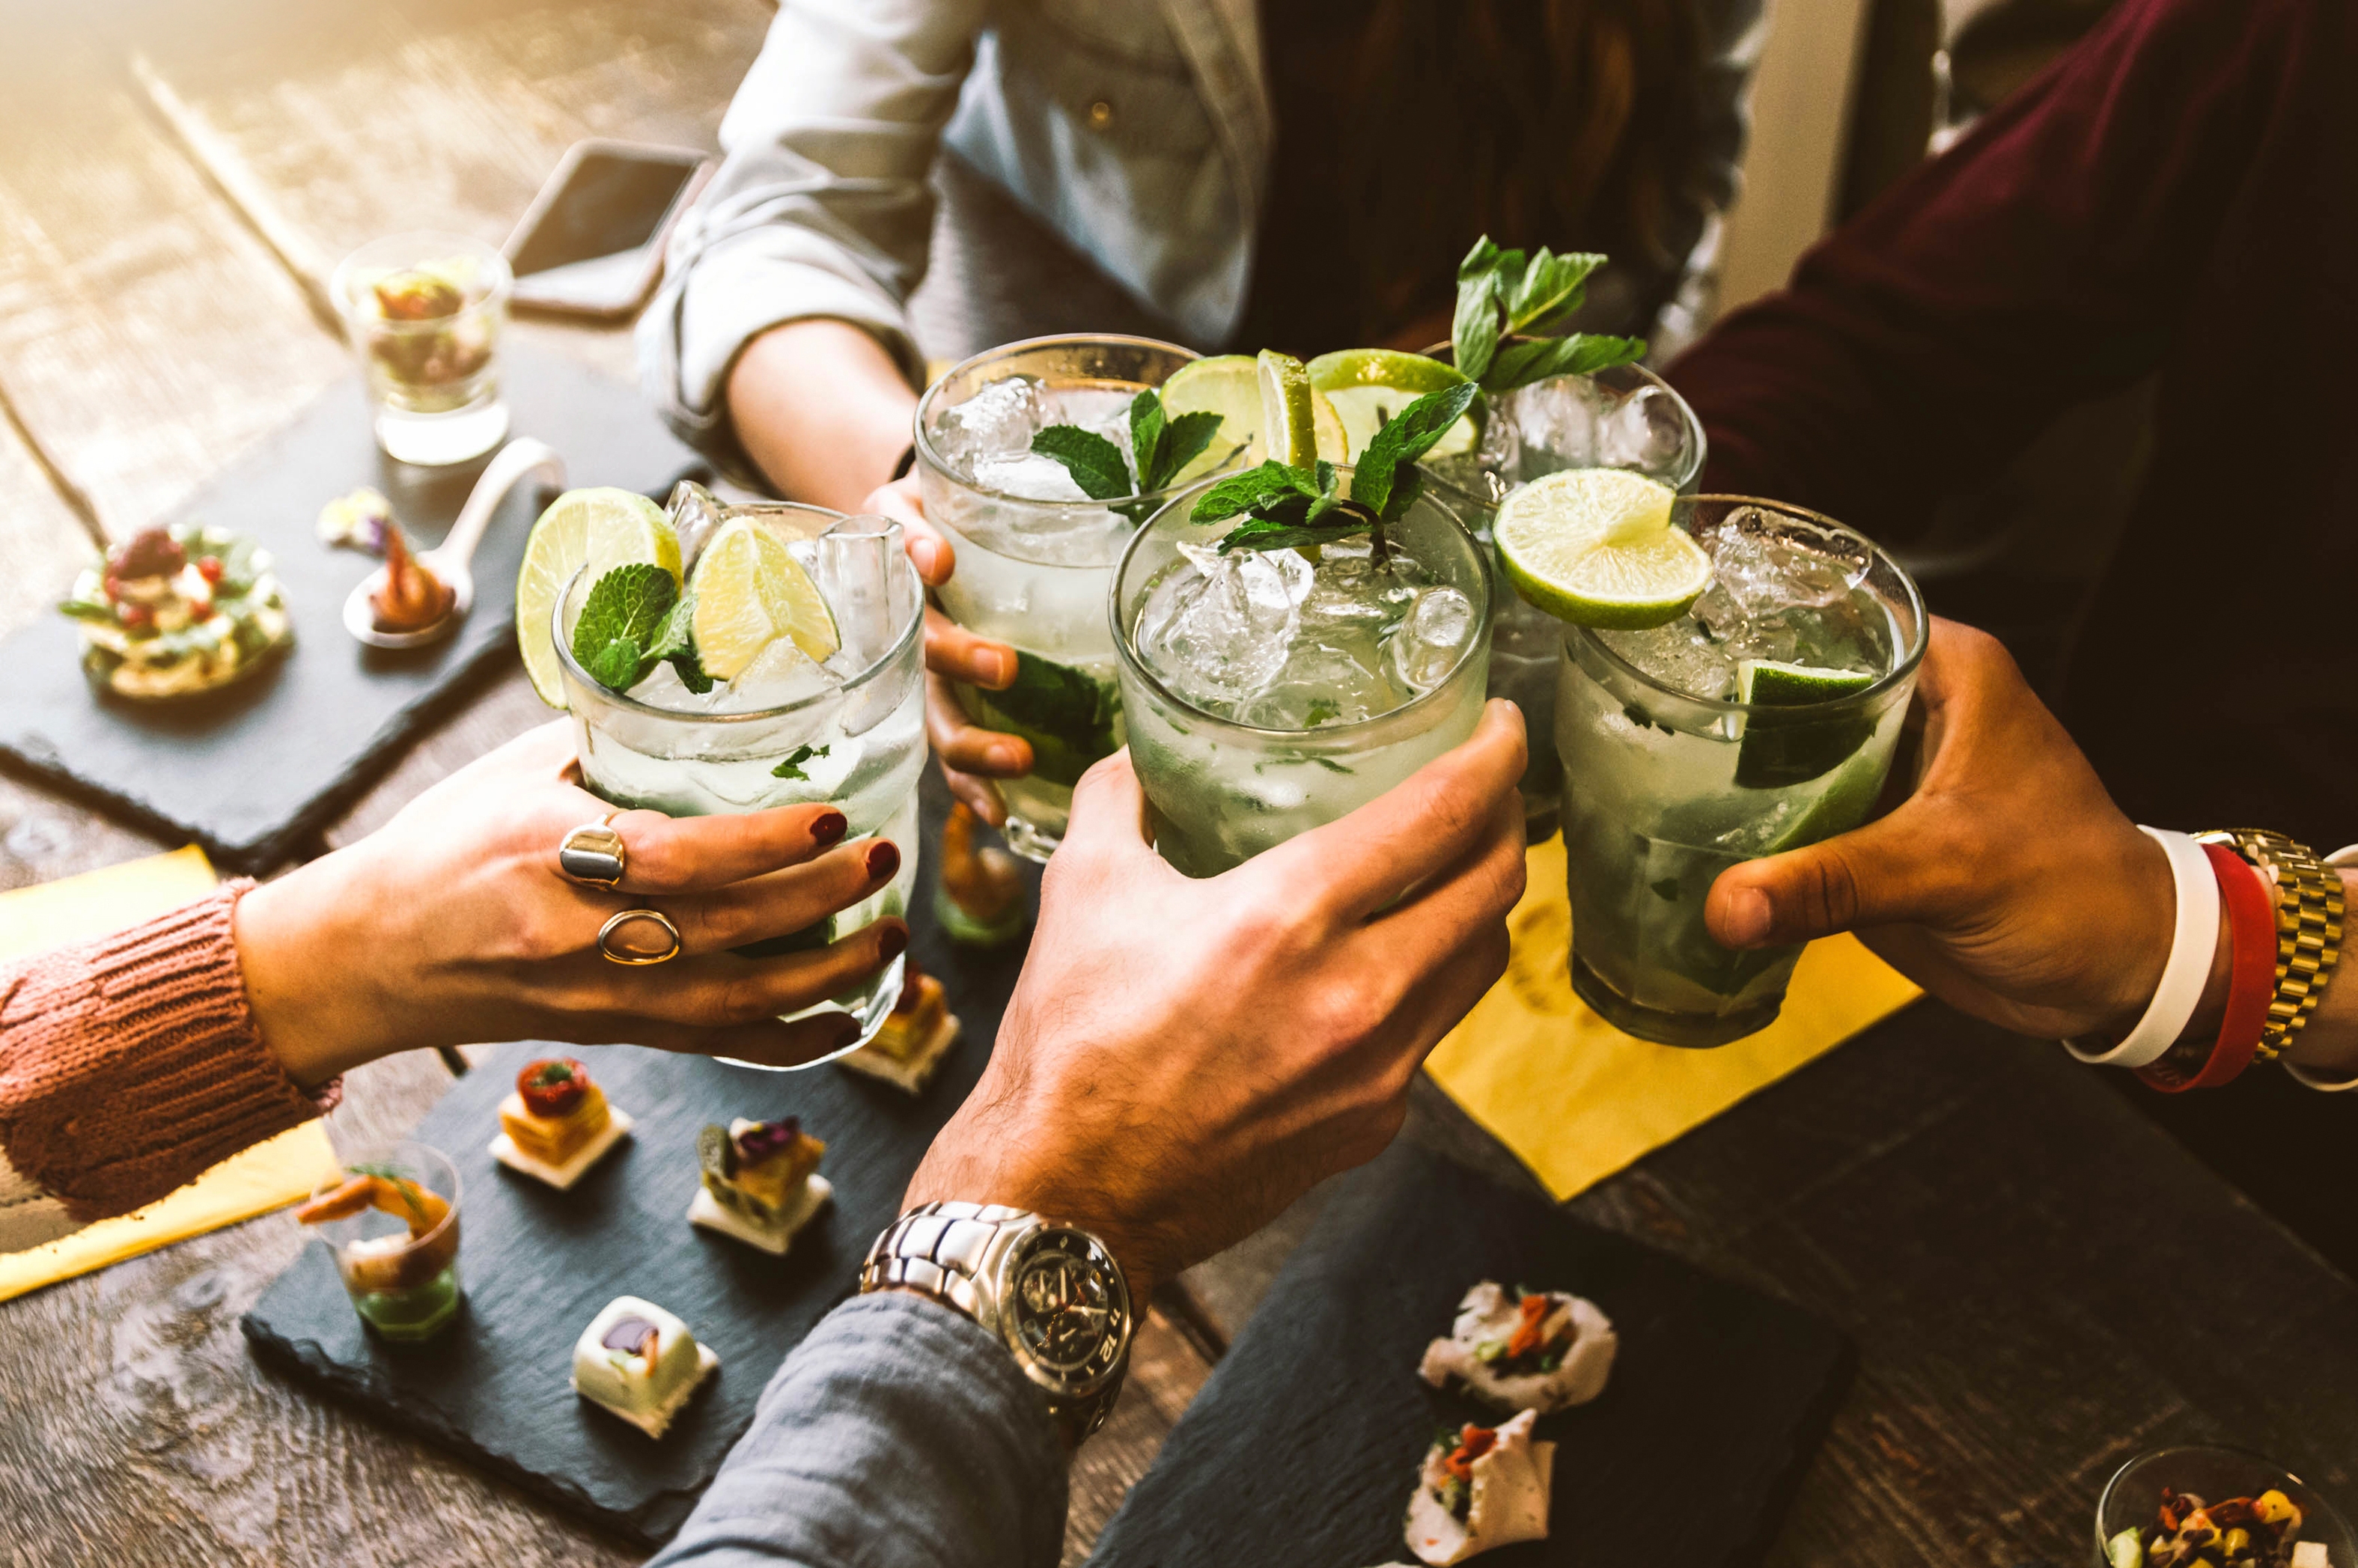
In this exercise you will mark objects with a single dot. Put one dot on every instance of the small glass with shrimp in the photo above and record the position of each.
(392, 1220)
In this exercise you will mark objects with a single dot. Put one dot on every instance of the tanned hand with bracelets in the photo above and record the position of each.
(2004, 881)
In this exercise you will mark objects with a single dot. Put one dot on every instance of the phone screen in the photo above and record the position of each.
(612, 204)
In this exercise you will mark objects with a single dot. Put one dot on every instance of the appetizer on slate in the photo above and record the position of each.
(641, 1363)
(359, 520)
(557, 1124)
(403, 1283)
(761, 1182)
(1524, 1350)
(413, 598)
(2242, 1532)
(178, 612)
(1480, 1487)
(918, 1033)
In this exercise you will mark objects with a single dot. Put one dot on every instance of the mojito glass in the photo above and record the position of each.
(849, 732)
(425, 312)
(1034, 553)
(1761, 721)
(1266, 694)
(1625, 418)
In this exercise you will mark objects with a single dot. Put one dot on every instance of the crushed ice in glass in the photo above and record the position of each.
(988, 439)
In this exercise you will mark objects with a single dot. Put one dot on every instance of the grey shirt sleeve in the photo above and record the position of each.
(900, 1435)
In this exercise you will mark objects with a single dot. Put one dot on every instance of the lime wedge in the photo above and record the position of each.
(1595, 547)
(750, 591)
(1770, 684)
(1229, 387)
(596, 529)
(1367, 386)
(1289, 419)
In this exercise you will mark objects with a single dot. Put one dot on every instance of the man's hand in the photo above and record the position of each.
(2006, 882)
(971, 757)
(1183, 1058)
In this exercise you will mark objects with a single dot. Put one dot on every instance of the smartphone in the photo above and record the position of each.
(592, 241)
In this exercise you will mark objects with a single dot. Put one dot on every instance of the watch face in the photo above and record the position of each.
(1071, 1310)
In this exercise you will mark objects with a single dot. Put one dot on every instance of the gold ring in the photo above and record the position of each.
(594, 855)
(639, 937)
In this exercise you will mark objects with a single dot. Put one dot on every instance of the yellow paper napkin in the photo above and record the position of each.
(1577, 1100)
(270, 1175)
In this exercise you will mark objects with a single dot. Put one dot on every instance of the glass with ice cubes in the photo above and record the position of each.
(1624, 417)
(786, 730)
(1270, 691)
(1760, 720)
(1035, 553)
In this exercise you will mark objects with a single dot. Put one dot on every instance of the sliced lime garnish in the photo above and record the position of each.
(593, 529)
(1595, 547)
(1289, 420)
(1768, 684)
(1225, 385)
(1367, 386)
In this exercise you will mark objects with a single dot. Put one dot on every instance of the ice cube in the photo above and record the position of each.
(1681, 655)
(1321, 682)
(857, 565)
(999, 420)
(780, 674)
(1765, 569)
(664, 689)
(1218, 628)
(1430, 639)
(1030, 475)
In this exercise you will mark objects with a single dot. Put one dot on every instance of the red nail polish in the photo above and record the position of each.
(891, 942)
(883, 858)
(829, 827)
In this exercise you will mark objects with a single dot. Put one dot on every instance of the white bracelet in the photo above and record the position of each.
(2191, 947)
(2346, 856)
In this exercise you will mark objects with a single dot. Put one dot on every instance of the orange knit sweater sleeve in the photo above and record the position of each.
(130, 1062)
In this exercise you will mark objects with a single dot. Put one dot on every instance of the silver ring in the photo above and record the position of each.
(594, 855)
(630, 937)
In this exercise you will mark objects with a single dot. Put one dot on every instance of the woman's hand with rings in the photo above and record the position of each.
(454, 923)
(970, 756)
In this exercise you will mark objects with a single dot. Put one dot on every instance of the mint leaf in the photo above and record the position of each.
(1582, 353)
(1184, 440)
(1548, 288)
(691, 673)
(1147, 429)
(629, 604)
(1253, 489)
(1321, 710)
(792, 767)
(1406, 437)
(1473, 331)
(676, 634)
(1093, 462)
(614, 665)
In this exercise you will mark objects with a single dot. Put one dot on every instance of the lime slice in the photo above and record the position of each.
(1229, 387)
(1289, 419)
(597, 529)
(1771, 685)
(750, 591)
(1367, 386)
(1595, 547)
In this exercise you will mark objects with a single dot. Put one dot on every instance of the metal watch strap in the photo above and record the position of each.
(2308, 916)
(950, 1251)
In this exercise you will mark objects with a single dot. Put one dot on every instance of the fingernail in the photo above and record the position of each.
(891, 941)
(1004, 758)
(927, 556)
(883, 860)
(829, 826)
(1000, 667)
(1748, 917)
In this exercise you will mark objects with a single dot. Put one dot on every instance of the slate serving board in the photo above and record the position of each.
(249, 770)
(1304, 1445)
(538, 1264)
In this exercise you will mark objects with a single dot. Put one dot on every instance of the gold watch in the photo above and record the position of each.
(2307, 895)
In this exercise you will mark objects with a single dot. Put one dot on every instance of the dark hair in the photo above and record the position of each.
(1570, 124)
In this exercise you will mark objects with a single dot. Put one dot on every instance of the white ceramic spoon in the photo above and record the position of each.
(518, 461)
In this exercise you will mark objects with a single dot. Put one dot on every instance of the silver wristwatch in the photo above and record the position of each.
(1051, 1293)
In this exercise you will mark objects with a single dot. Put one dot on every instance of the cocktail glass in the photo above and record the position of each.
(1296, 693)
(2132, 1498)
(404, 1286)
(1034, 558)
(1670, 778)
(425, 312)
(850, 732)
(1625, 418)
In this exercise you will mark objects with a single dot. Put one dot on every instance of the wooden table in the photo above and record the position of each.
(2039, 1284)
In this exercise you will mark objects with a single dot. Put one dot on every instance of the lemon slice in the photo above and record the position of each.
(1595, 547)
(1367, 386)
(750, 591)
(594, 529)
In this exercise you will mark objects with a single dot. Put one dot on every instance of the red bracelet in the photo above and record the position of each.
(2252, 920)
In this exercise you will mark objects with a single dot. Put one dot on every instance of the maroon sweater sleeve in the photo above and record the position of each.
(2047, 258)
(130, 1062)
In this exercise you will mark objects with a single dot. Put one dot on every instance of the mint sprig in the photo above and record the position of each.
(792, 766)
(1289, 507)
(1503, 294)
(1160, 446)
(636, 617)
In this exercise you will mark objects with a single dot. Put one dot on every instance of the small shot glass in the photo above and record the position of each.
(2131, 1503)
(425, 312)
(391, 1218)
